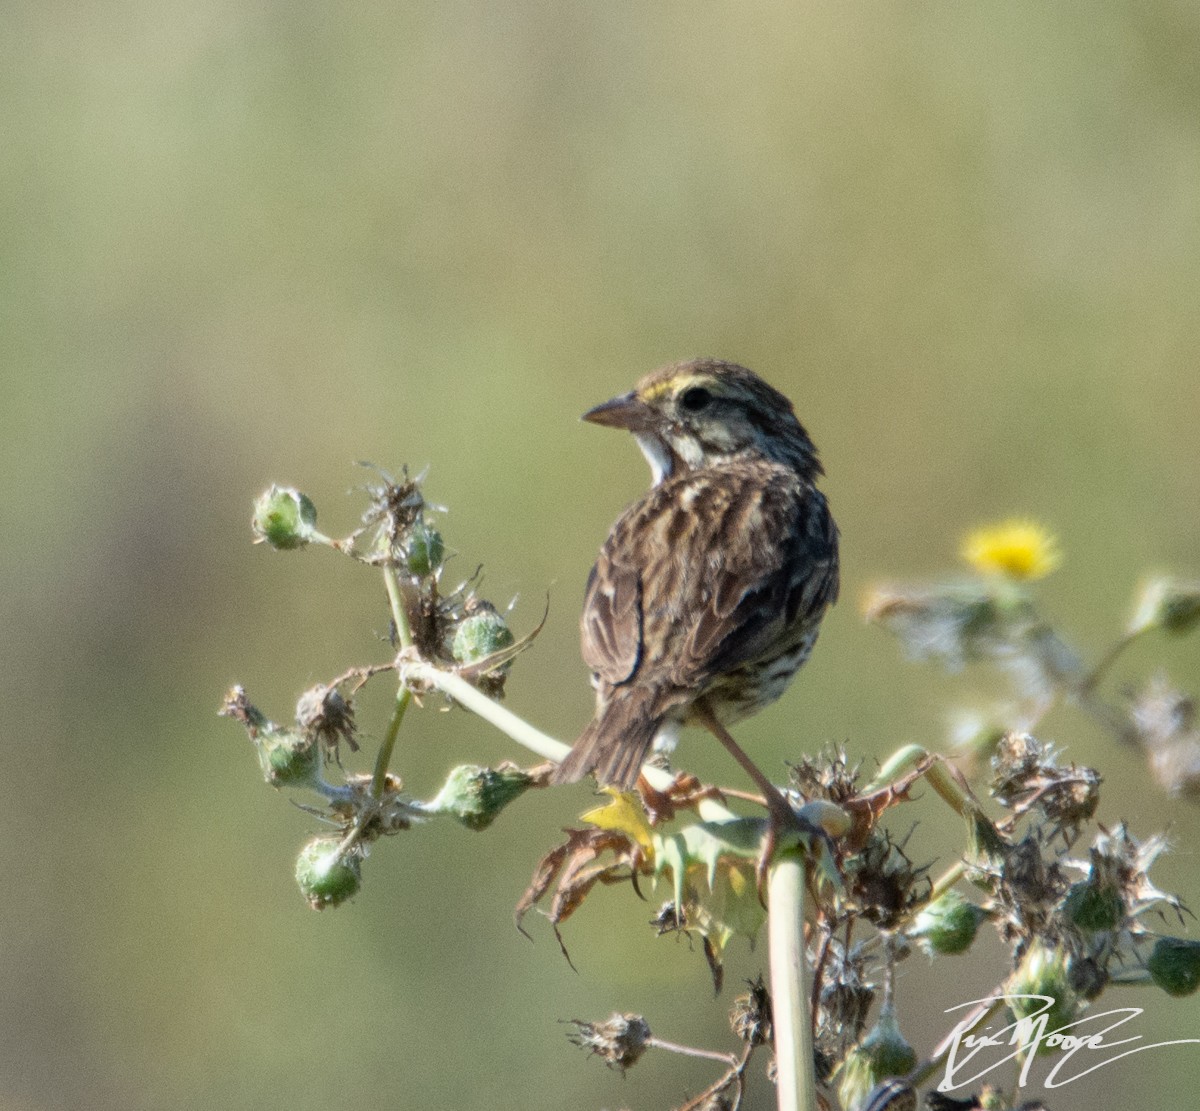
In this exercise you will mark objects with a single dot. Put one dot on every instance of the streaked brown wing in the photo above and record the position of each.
(611, 625)
(707, 571)
(775, 578)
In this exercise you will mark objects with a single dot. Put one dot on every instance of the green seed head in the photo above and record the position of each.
(475, 796)
(1094, 907)
(284, 518)
(326, 877)
(288, 758)
(1174, 965)
(479, 636)
(1167, 604)
(987, 849)
(424, 550)
(948, 924)
(1043, 972)
(882, 1053)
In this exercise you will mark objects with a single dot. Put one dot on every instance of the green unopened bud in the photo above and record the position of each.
(987, 849)
(475, 796)
(284, 518)
(882, 1053)
(948, 924)
(1167, 604)
(327, 877)
(479, 636)
(424, 550)
(1174, 965)
(1094, 907)
(288, 758)
(1043, 972)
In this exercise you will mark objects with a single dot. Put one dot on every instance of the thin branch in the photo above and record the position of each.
(384, 758)
(490, 710)
(399, 611)
(735, 1075)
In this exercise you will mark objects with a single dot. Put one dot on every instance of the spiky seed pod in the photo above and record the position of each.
(327, 877)
(284, 518)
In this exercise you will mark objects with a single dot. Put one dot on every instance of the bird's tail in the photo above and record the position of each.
(613, 746)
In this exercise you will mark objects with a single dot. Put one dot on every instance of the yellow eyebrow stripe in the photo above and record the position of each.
(658, 389)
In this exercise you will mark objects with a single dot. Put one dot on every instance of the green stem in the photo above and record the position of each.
(490, 710)
(691, 1051)
(1088, 683)
(947, 880)
(399, 610)
(795, 1084)
(379, 778)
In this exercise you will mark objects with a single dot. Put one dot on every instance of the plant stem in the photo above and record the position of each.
(691, 1051)
(399, 610)
(379, 778)
(1089, 682)
(947, 880)
(794, 1085)
(487, 708)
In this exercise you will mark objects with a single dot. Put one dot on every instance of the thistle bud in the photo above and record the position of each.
(947, 925)
(287, 758)
(987, 849)
(480, 635)
(1094, 907)
(423, 550)
(882, 1053)
(1043, 972)
(1174, 965)
(475, 796)
(327, 876)
(284, 518)
(1167, 604)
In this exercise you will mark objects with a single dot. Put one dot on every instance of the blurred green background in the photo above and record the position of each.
(254, 242)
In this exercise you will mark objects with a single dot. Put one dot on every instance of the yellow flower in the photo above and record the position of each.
(1018, 549)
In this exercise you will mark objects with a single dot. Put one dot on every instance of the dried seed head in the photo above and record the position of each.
(324, 715)
(827, 776)
(620, 1040)
(751, 1014)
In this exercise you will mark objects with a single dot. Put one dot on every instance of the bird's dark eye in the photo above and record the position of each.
(695, 399)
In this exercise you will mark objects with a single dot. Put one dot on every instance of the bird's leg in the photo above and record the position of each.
(779, 810)
(659, 805)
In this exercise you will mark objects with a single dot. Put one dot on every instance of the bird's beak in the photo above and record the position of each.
(627, 411)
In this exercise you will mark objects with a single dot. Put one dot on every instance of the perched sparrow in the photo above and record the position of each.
(709, 591)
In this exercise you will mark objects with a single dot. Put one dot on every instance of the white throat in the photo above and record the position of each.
(657, 455)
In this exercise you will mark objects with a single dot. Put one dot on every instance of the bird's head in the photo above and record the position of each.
(706, 412)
